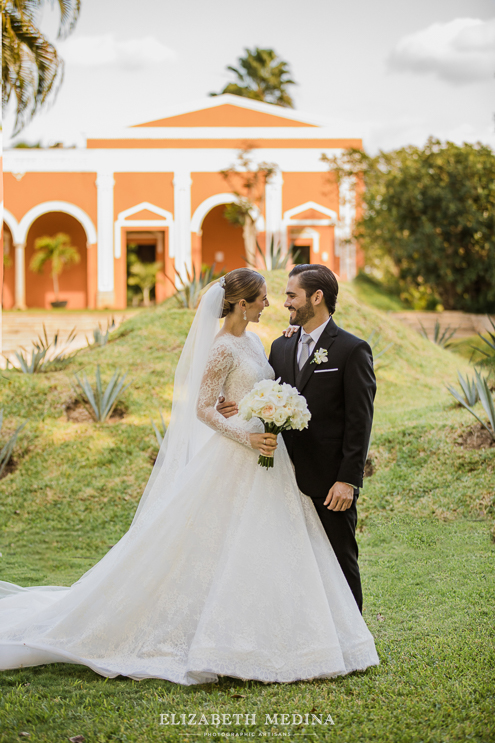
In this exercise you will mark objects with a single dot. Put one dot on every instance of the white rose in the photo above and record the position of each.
(280, 416)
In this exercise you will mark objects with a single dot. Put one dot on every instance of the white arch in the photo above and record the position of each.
(57, 206)
(163, 219)
(210, 203)
(13, 226)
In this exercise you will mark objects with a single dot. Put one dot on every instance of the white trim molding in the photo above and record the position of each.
(330, 219)
(310, 205)
(309, 234)
(56, 206)
(164, 219)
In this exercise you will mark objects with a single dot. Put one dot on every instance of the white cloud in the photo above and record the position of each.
(460, 51)
(105, 50)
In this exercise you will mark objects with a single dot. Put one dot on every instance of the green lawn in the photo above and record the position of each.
(424, 531)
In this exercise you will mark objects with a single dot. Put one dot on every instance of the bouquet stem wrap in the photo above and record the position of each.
(269, 428)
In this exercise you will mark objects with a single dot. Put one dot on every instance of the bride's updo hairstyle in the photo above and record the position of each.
(241, 283)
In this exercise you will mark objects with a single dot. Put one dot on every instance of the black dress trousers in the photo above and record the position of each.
(340, 528)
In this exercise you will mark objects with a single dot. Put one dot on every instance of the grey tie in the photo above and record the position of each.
(305, 340)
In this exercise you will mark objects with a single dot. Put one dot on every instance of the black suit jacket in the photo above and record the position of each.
(340, 395)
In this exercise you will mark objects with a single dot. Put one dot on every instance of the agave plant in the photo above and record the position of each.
(29, 362)
(97, 401)
(100, 337)
(6, 451)
(192, 284)
(56, 349)
(469, 388)
(45, 354)
(440, 338)
(490, 342)
(273, 258)
(486, 400)
(373, 340)
(160, 434)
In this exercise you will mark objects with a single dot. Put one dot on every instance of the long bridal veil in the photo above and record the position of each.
(184, 437)
(186, 434)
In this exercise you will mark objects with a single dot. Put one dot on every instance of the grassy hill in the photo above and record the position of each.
(89, 476)
(423, 526)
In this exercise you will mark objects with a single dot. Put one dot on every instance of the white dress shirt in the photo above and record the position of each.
(315, 335)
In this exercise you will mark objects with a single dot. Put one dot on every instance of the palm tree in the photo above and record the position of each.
(262, 76)
(59, 251)
(31, 67)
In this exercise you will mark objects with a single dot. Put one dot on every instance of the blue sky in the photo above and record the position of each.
(394, 71)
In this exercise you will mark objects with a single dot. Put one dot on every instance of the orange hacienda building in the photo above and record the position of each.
(158, 186)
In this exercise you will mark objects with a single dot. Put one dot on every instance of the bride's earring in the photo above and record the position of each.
(244, 316)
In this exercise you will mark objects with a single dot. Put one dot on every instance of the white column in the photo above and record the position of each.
(181, 247)
(273, 210)
(20, 277)
(344, 246)
(106, 293)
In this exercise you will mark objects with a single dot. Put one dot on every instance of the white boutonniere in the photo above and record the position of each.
(320, 356)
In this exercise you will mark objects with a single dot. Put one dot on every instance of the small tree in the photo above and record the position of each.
(144, 275)
(59, 251)
(261, 76)
(247, 180)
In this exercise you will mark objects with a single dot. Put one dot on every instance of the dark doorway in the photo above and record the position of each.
(300, 254)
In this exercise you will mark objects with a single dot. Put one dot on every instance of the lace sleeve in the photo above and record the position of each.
(220, 363)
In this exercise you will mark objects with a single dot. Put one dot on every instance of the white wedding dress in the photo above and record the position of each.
(228, 571)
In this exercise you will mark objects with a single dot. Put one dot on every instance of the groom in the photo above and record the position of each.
(334, 371)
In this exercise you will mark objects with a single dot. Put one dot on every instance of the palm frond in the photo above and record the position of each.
(261, 75)
(32, 70)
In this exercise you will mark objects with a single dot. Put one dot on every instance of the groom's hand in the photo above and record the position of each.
(340, 497)
(227, 409)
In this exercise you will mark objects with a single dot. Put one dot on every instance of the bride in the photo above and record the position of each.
(225, 569)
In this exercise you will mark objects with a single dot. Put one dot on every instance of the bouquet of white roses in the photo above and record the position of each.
(280, 407)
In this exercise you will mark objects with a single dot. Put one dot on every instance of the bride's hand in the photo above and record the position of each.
(288, 332)
(266, 443)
